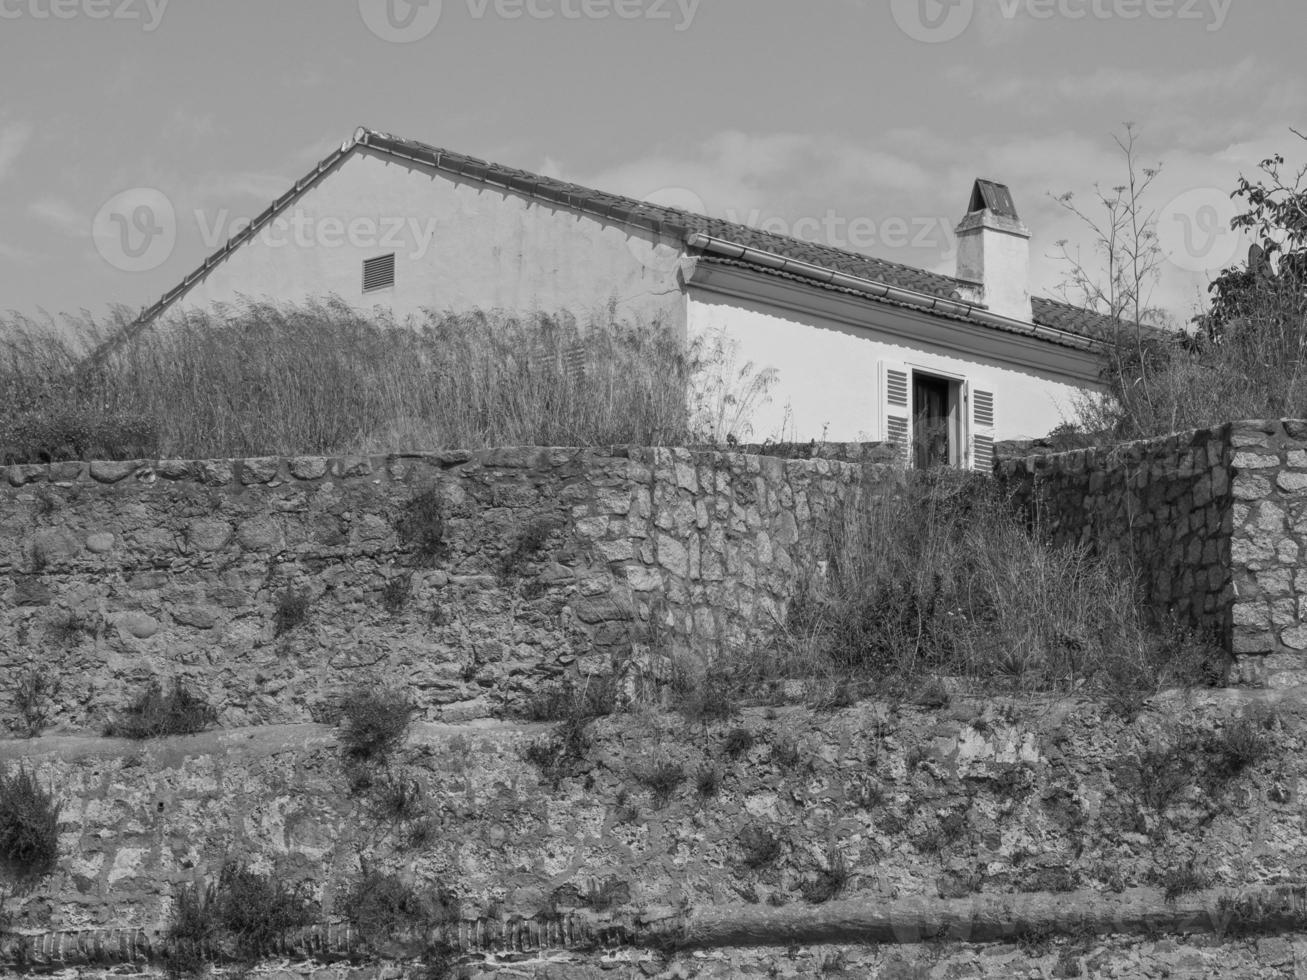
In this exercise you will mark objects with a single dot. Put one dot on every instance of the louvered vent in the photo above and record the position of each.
(897, 430)
(984, 454)
(984, 408)
(379, 273)
(896, 383)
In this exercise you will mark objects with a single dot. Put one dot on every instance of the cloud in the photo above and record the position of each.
(14, 137)
(60, 215)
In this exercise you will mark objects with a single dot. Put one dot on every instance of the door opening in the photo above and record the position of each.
(936, 435)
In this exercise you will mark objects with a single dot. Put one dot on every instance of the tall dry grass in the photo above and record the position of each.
(946, 578)
(266, 379)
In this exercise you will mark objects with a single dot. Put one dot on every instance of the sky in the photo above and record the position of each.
(859, 123)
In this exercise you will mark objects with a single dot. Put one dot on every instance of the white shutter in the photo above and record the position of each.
(982, 430)
(896, 405)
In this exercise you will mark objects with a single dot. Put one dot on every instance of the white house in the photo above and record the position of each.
(864, 348)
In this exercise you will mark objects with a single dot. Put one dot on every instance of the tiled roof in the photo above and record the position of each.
(670, 221)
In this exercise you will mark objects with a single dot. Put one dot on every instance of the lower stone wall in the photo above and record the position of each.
(1214, 520)
(1163, 506)
(273, 587)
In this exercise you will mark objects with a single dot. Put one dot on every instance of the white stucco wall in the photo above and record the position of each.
(829, 373)
(459, 245)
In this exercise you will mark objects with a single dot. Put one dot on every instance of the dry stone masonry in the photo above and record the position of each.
(272, 586)
(1216, 521)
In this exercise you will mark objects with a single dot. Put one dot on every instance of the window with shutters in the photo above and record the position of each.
(937, 420)
(378, 273)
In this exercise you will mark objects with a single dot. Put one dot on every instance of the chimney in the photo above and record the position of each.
(994, 252)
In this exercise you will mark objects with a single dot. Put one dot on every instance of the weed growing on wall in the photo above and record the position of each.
(384, 907)
(759, 847)
(374, 722)
(35, 698)
(421, 526)
(243, 911)
(70, 627)
(157, 713)
(526, 544)
(292, 612)
(29, 836)
(396, 592)
(830, 879)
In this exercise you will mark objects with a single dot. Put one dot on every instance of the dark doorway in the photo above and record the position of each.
(932, 413)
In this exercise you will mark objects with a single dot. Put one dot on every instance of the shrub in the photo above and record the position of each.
(661, 779)
(421, 525)
(759, 847)
(598, 697)
(830, 880)
(68, 629)
(292, 612)
(1183, 879)
(395, 593)
(35, 697)
(156, 714)
(374, 722)
(738, 741)
(785, 752)
(563, 752)
(382, 905)
(1240, 745)
(244, 911)
(707, 782)
(527, 543)
(29, 836)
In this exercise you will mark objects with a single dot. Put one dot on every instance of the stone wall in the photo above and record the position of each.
(974, 811)
(273, 586)
(1215, 520)
(1163, 505)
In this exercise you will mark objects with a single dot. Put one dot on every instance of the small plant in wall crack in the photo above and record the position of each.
(396, 592)
(35, 698)
(421, 526)
(374, 722)
(291, 613)
(526, 544)
(157, 713)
